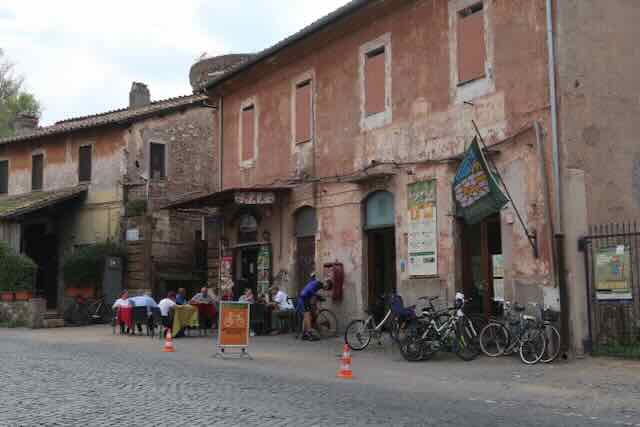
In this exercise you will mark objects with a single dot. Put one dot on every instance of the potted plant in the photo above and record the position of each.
(17, 275)
(83, 269)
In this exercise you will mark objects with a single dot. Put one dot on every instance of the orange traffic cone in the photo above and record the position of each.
(345, 364)
(168, 343)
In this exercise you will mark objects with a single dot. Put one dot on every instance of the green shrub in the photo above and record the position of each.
(17, 272)
(136, 207)
(86, 265)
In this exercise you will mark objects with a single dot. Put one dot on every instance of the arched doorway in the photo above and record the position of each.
(246, 270)
(306, 226)
(379, 229)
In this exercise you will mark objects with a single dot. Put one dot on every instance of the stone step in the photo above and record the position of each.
(53, 322)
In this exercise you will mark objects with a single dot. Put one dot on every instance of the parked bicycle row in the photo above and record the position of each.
(422, 332)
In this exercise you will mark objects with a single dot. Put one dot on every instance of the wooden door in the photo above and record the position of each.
(305, 259)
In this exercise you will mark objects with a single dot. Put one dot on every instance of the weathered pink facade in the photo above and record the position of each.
(426, 125)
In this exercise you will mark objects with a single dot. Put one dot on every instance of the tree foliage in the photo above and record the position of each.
(13, 99)
(17, 272)
(86, 265)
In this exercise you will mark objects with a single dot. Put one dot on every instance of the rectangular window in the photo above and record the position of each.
(4, 177)
(471, 45)
(158, 165)
(248, 132)
(37, 165)
(375, 81)
(84, 163)
(304, 118)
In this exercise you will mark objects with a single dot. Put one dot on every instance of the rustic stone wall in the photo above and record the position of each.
(23, 313)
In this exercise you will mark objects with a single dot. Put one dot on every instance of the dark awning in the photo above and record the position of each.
(257, 195)
(14, 207)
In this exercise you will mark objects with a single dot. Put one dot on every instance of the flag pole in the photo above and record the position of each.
(533, 239)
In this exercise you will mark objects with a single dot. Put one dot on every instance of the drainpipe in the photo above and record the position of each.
(559, 235)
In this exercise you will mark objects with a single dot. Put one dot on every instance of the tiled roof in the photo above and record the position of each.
(124, 115)
(13, 206)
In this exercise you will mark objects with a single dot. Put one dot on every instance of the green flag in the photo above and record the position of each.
(475, 190)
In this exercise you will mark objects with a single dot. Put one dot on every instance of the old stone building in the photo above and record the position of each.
(339, 146)
(104, 177)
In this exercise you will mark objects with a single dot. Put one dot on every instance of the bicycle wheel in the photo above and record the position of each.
(327, 323)
(358, 335)
(468, 340)
(532, 346)
(494, 339)
(410, 345)
(106, 313)
(552, 348)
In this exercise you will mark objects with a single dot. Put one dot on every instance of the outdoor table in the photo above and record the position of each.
(125, 315)
(184, 316)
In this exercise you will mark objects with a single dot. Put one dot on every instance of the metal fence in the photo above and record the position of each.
(612, 263)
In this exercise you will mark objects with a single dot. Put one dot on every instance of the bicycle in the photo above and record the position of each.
(323, 320)
(521, 334)
(447, 329)
(100, 312)
(359, 333)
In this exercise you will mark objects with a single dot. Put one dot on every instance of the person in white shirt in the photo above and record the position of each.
(123, 301)
(281, 308)
(165, 306)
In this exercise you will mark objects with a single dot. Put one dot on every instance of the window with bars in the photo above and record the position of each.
(158, 161)
(4, 177)
(84, 163)
(37, 171)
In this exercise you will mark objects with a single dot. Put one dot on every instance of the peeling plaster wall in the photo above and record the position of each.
(429, 123)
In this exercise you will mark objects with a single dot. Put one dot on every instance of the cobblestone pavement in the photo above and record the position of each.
(87, 376)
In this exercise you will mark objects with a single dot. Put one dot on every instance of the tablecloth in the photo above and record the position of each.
(184, 316)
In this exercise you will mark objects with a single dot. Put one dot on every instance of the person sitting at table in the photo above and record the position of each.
(123, 301)
(202, 297)
(144, 301)
(165, 306)
(247, 296)
(280, 307)
(181, 297)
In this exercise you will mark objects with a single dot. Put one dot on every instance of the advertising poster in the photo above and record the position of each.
(233, 324)
(264, 269)
(422, 239)
(612, 273)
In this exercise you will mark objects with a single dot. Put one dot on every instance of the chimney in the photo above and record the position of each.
(25, 123)
(139, 95)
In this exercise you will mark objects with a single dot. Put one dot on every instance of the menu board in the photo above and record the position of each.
(422, 239)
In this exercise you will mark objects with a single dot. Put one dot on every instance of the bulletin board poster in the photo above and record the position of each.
(612, 273)
(233, 325)
(264, 269)
(422, 239)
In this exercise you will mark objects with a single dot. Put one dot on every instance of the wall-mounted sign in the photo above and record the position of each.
(133, 235)
(422, 239)
(612, 273)
(255, 198)
(264, 269)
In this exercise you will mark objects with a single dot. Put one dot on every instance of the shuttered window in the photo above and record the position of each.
(84, 163)
(471, 45)
(158, 165)
(37, 165)
(304, 119)
(248, 132)
(375, 81)
(4, 177)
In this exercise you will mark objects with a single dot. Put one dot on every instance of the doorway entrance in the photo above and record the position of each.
(482, 265)
(379, 214)
(306, 228)
(246, 271)
(41, 245)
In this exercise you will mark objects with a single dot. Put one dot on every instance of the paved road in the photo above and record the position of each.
(126, 381)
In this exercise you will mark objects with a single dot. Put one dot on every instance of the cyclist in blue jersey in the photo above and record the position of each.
(305, 304)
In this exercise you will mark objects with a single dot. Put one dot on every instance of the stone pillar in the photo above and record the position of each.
(38, 310)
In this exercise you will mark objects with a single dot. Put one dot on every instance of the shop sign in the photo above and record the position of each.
(612, 273)
(255, 197)
(475, 190)
(233, 325)
(422, 239)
